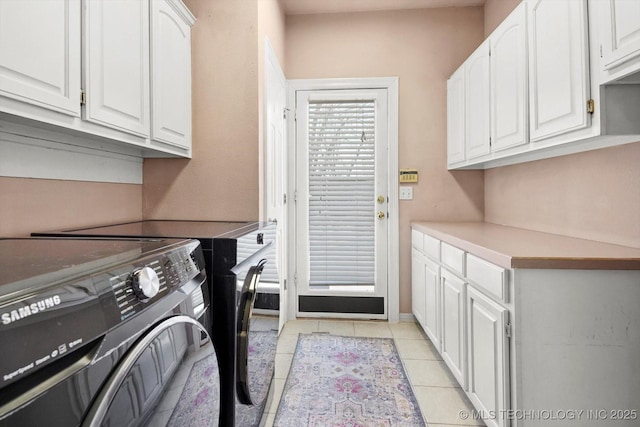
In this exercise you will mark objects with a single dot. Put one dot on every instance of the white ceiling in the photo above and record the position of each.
(301, 7)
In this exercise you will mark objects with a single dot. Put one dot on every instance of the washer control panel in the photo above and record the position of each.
(136, 288)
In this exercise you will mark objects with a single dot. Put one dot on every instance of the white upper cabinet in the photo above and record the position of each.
(620, 32)
(558, 67)
(477, 103)
(116, 64)
(114, 74)
(455, 118)
(40, 54)
(564, 78)
(509, 113)
(171, 73)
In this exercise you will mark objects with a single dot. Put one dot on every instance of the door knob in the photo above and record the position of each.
(381, 215)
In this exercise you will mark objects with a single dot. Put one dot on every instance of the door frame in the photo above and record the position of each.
(393, 272)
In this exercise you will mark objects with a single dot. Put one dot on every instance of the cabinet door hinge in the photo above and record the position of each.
(507, 330)
(295, 279)
(284, 112)
(284, 199)
(591, 106)
(489, 141)
(83, 97)
(295, 196)
(601, 51)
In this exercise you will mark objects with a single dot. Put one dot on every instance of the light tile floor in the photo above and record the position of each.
(440, 397)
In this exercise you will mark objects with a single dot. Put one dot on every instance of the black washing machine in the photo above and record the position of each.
(105, 333)
(245, 296)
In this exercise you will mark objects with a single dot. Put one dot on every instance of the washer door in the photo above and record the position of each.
(169, 377)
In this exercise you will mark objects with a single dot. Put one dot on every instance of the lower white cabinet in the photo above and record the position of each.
(487, 352)
(432, 302)
(425, 294)
(528, 344)
(453, 324)
(418, 270)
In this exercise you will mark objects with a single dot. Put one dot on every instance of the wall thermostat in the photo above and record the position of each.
(408, 175)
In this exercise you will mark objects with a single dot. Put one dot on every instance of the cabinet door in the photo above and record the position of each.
(170, 73)
(509, 115)
(558, 67)
(453, 324)
(418, 270)
(487, 353)
(40, 53)
(432, 302)
(620, 31)
(477, 103)
(455, 118)
(116, 64)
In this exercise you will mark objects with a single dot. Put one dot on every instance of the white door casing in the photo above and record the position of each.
(391, 261)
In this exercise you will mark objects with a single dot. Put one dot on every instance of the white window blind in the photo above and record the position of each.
(341, 193)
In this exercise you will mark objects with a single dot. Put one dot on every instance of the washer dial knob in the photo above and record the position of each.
(145, 283)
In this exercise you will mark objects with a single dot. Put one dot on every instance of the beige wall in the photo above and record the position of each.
(593, 195)
(221, 181)
(271, 25)
(30, 205)
(495, 11)
(422, 48)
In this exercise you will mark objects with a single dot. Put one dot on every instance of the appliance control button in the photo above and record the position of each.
(145, 283)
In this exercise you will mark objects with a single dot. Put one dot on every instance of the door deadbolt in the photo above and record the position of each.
(381, 199)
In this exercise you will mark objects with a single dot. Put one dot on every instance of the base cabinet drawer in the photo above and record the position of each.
(453, 258)
(487, 276)
(432, 247)
(416, 240)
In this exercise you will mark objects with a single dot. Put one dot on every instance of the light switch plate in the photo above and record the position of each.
(406, 192)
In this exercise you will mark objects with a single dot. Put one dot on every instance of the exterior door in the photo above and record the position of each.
(342, 203)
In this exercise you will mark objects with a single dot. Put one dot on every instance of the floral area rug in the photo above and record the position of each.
(337, 381)
(199, 402)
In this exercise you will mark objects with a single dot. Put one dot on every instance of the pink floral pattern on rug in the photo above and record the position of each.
(339, 381)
